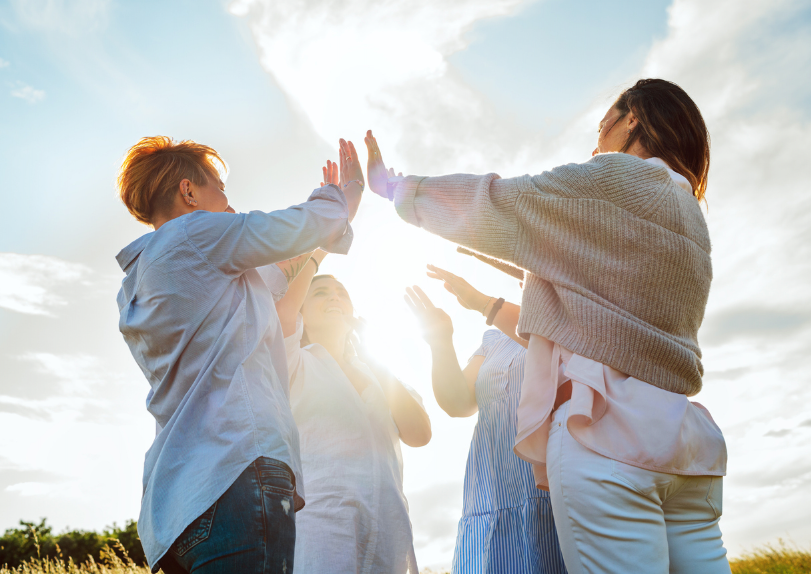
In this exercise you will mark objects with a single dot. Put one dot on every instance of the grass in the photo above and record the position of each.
(780, 559)
(111, 564)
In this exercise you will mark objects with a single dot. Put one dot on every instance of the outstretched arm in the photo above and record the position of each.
(506, 319)
(454, 389)
(300, 270)
(476, 211)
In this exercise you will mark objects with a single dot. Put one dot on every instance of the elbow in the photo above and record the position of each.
(420, 436)
(458, 411)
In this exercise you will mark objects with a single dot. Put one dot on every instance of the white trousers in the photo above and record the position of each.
(615, 518)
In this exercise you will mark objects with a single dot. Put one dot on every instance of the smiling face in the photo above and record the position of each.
(327, 307)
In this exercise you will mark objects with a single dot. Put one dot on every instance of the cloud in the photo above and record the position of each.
(30, 283)
(28, 93)
(72, 17)
(752, 322)
(391, 72)
(11, 475)
(24, 410)
(435, 513)
(4, 63)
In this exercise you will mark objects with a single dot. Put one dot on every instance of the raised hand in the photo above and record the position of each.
(350, 165)
(465, 293)
(330, 174)
(435, 324)
(375, 168)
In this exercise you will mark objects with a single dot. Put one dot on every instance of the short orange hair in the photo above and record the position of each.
(153, 169)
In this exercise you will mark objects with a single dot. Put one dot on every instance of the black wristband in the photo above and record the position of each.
(316, 264)
(496, 306)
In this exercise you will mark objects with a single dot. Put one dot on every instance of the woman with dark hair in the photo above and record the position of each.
(351, 413)
(617, 259)
(507, 525)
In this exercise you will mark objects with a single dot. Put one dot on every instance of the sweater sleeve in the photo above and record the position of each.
(475, 211)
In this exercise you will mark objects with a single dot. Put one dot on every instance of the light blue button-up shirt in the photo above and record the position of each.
(200, 320)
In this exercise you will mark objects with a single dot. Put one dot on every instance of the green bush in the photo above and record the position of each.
(32, 541)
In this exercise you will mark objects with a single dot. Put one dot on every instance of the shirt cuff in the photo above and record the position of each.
(405, 196)
(336, 244)
(275, 280)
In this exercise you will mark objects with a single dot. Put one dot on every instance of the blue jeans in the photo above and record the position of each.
(250, 529)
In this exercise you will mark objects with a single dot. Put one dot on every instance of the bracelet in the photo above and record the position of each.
(390, 186)
(496, 306)
(316, 264)
(485, 306)
(358, 181)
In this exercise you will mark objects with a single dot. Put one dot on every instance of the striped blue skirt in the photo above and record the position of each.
(518, 540)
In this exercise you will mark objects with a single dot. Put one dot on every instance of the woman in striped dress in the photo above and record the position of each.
(507, 525)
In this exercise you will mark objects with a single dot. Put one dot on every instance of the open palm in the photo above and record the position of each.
(435, 324)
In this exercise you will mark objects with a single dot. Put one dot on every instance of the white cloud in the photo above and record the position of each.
(382, 65)
(4, 63)
(68, 16)
(30, 283)
(28, 93)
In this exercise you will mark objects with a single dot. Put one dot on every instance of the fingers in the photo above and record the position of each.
(413, 302)
(400, 174)
(391, 172)
(371, 144)
(352, 153)
(442, 274)
(423, 297)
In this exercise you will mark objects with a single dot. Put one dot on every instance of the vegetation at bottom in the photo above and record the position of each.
(770, 559)
(36, 542)
(118, 551)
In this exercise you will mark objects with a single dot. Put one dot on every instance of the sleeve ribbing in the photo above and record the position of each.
(475, 211)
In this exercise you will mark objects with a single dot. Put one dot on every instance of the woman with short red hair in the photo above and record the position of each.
(222, 480)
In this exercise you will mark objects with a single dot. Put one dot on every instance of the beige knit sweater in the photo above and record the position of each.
(618, 257)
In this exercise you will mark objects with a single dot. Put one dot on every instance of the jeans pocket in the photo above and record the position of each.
(275, 476)
(195, 533)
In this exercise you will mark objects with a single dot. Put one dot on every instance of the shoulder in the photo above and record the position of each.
(205, 224)
(621, 174)
(495, 342)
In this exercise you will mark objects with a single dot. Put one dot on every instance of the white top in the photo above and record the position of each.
(613, 414)
(356, 517)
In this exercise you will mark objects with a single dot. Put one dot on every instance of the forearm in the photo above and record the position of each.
(289, 306)
(292, 267)
(506, 320)
(353, 193)
(476, 211)
(407, 412)
(450, 387)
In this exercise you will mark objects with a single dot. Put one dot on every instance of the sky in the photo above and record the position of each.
(505, 86)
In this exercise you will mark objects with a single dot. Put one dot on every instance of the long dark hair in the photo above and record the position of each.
(670, 127)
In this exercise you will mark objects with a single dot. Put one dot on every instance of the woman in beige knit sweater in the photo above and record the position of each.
(617, 259)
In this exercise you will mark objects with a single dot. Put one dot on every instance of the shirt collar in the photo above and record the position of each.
(131, 252)
(677, 178)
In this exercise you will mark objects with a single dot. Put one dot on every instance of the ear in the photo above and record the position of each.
(631, 120)
(187, 193)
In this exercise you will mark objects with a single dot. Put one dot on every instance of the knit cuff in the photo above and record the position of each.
(405, 196)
